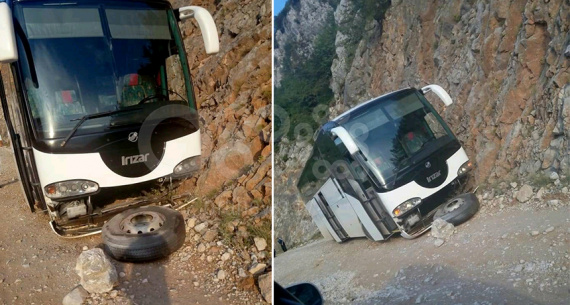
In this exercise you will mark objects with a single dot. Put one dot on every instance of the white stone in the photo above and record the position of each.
(257, 268)
(554, 176)
(201, 248)
(265, 285)
(438, 242)
(190, 223)
(524, 194)
(201, 227)
(226, 256)
(96, 271)
(260, 243)
(540, 193)
(76, 296)
(221, 275)
(441, 229)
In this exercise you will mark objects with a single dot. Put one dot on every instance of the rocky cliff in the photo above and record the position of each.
(505, 64)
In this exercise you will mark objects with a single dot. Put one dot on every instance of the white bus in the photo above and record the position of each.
(388, 165)
(104, 105)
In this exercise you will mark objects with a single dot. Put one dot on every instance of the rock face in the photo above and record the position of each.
(96, 271)
(502, 62)
(233, 89)
(299, 26)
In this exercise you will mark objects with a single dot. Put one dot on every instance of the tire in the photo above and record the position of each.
(459, 209)
(164, 233)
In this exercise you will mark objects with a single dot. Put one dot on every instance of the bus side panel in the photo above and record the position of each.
(364, 218)
(320, 220)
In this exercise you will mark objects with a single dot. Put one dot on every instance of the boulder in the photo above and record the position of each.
(96, 271)
(442, 229)
(525, 193)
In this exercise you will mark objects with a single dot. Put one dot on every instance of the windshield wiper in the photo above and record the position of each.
(94, 116)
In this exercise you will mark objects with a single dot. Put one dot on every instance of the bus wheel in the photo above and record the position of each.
(144, 234)
(459, 209)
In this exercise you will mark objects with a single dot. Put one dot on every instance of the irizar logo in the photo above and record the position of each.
(134, 159)
(431, 177)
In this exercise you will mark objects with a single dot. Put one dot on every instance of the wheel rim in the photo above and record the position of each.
(142, 222)
(453, 205)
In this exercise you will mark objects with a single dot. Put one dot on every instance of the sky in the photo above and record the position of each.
(278, 6)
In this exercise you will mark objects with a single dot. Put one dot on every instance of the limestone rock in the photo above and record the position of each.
(441, 229)
(260, 243)
(265, 285)
(76, 296)
(96, 271)
(524, 193)
(257, 268)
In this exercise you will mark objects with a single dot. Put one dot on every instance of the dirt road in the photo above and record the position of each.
(37, 267)
(494, 258)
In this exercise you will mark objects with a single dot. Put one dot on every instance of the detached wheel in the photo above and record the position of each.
(459, 209)
(144, 234)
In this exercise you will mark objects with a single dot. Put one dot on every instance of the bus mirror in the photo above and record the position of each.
(442, 94)
(8, 51)
(206, 24)
(346, 139)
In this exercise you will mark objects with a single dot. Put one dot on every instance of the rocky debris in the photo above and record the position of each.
(257, 268)
(441, 229)
(265, 284)
(210, 235)
(260, 243)
(221, 275)
(190, 223)
(567, 51)
(439, 242)
(525, 193)
(201, 227)
(76, 297)
(96, 271)
(114, 297)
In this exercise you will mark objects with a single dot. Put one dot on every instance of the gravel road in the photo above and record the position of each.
(37, 267)
(518, 255)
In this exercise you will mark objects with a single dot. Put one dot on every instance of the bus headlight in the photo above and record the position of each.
(189, 165)
(406, 206)
(71, 188)
(465, 168)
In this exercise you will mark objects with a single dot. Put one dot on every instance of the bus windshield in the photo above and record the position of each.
(396, 131)
(95, 57)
